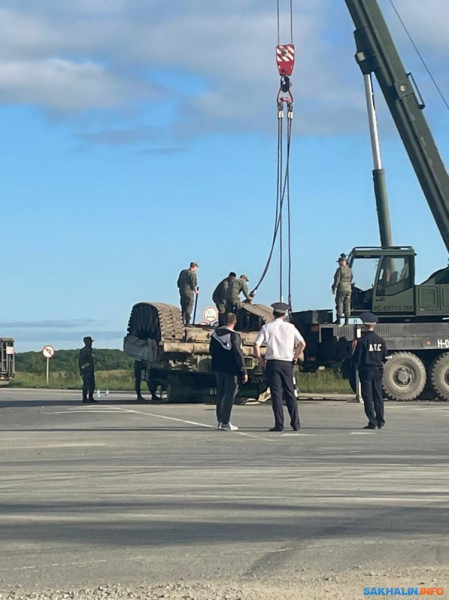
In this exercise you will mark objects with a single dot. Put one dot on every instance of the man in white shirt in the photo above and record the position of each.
(284, 345)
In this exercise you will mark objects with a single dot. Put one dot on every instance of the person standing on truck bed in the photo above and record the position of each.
(284, 345)
(219, 296)
(188, 287)
(342, 290)
(235, 287)
(228, 363)
(369, 356)
(87, 369)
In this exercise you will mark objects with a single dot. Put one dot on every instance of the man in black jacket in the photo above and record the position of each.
(228, 364)
(369, 357)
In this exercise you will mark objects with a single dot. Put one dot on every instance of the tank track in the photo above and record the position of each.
(157, 321)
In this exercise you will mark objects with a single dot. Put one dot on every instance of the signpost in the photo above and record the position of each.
(48, 352)
(210, 314)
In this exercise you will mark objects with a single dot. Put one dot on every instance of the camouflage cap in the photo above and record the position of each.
(244, 277)
(194, 264)
(342, 257)
(87, 339)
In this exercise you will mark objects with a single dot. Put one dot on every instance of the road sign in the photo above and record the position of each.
(210, 314)
(48, 351)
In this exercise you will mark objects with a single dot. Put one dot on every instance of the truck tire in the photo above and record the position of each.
(439, 376)
(404, 376)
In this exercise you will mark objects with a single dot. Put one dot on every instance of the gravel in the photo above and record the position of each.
(347, 585)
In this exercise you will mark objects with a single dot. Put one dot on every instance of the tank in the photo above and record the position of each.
(179, 363)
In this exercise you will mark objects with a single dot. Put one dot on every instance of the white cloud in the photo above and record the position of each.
(65, 56)
(426, 21)
(61, 85)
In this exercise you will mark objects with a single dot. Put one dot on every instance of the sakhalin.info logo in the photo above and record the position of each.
(404, 592)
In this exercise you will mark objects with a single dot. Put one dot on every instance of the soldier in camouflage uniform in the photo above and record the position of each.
(219, 296)
(188, 287)
(233, 302)
(87, 369)
(342, 290)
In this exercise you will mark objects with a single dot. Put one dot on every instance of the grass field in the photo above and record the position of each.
(105, 380)
(122, 380)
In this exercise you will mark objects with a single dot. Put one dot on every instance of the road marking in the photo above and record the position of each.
(270, 438)
(242, 433)
(81, 410)
(139, 412)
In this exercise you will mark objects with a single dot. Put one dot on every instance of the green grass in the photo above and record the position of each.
(323, 381)
(105, 380)
(123, 380)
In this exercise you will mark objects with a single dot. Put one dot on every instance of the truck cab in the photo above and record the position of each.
(384, 283)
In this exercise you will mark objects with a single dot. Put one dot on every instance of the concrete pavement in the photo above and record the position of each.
(125, 492)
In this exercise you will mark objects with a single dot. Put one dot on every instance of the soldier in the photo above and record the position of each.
(87, 370)
(187, 284)
(342, 290)
(141, 373)
(219, 296)
(369, 356)
(235, 287)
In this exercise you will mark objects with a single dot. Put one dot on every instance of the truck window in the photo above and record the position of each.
(364, 272)
(394, 276)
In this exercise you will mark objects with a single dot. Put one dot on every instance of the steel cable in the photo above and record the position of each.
(420, 55)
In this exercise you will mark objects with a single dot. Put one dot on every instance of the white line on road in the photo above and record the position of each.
(110, 409)
(242, 433)
(81, 410)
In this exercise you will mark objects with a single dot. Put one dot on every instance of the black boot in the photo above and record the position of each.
(346, 320)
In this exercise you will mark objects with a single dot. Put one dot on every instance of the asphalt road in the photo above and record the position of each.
(145, 493)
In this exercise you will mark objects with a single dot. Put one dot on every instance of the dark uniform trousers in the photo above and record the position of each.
(138, 372)
(280, 379)
(227, 388)
(187, 307)
(221, 307)
(372, 394)
(88, 384)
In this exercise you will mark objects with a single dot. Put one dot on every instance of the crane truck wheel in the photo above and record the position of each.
(439, 376)
(404, 376)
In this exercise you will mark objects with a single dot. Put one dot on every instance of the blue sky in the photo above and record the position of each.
(139, 135)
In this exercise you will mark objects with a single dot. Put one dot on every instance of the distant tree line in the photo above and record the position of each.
(67, 360)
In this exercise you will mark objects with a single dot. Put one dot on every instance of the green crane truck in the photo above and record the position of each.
(414, 318)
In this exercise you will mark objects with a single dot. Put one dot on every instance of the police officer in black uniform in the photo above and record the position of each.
(369, 356)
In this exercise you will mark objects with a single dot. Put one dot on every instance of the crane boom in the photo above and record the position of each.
(377, 53)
